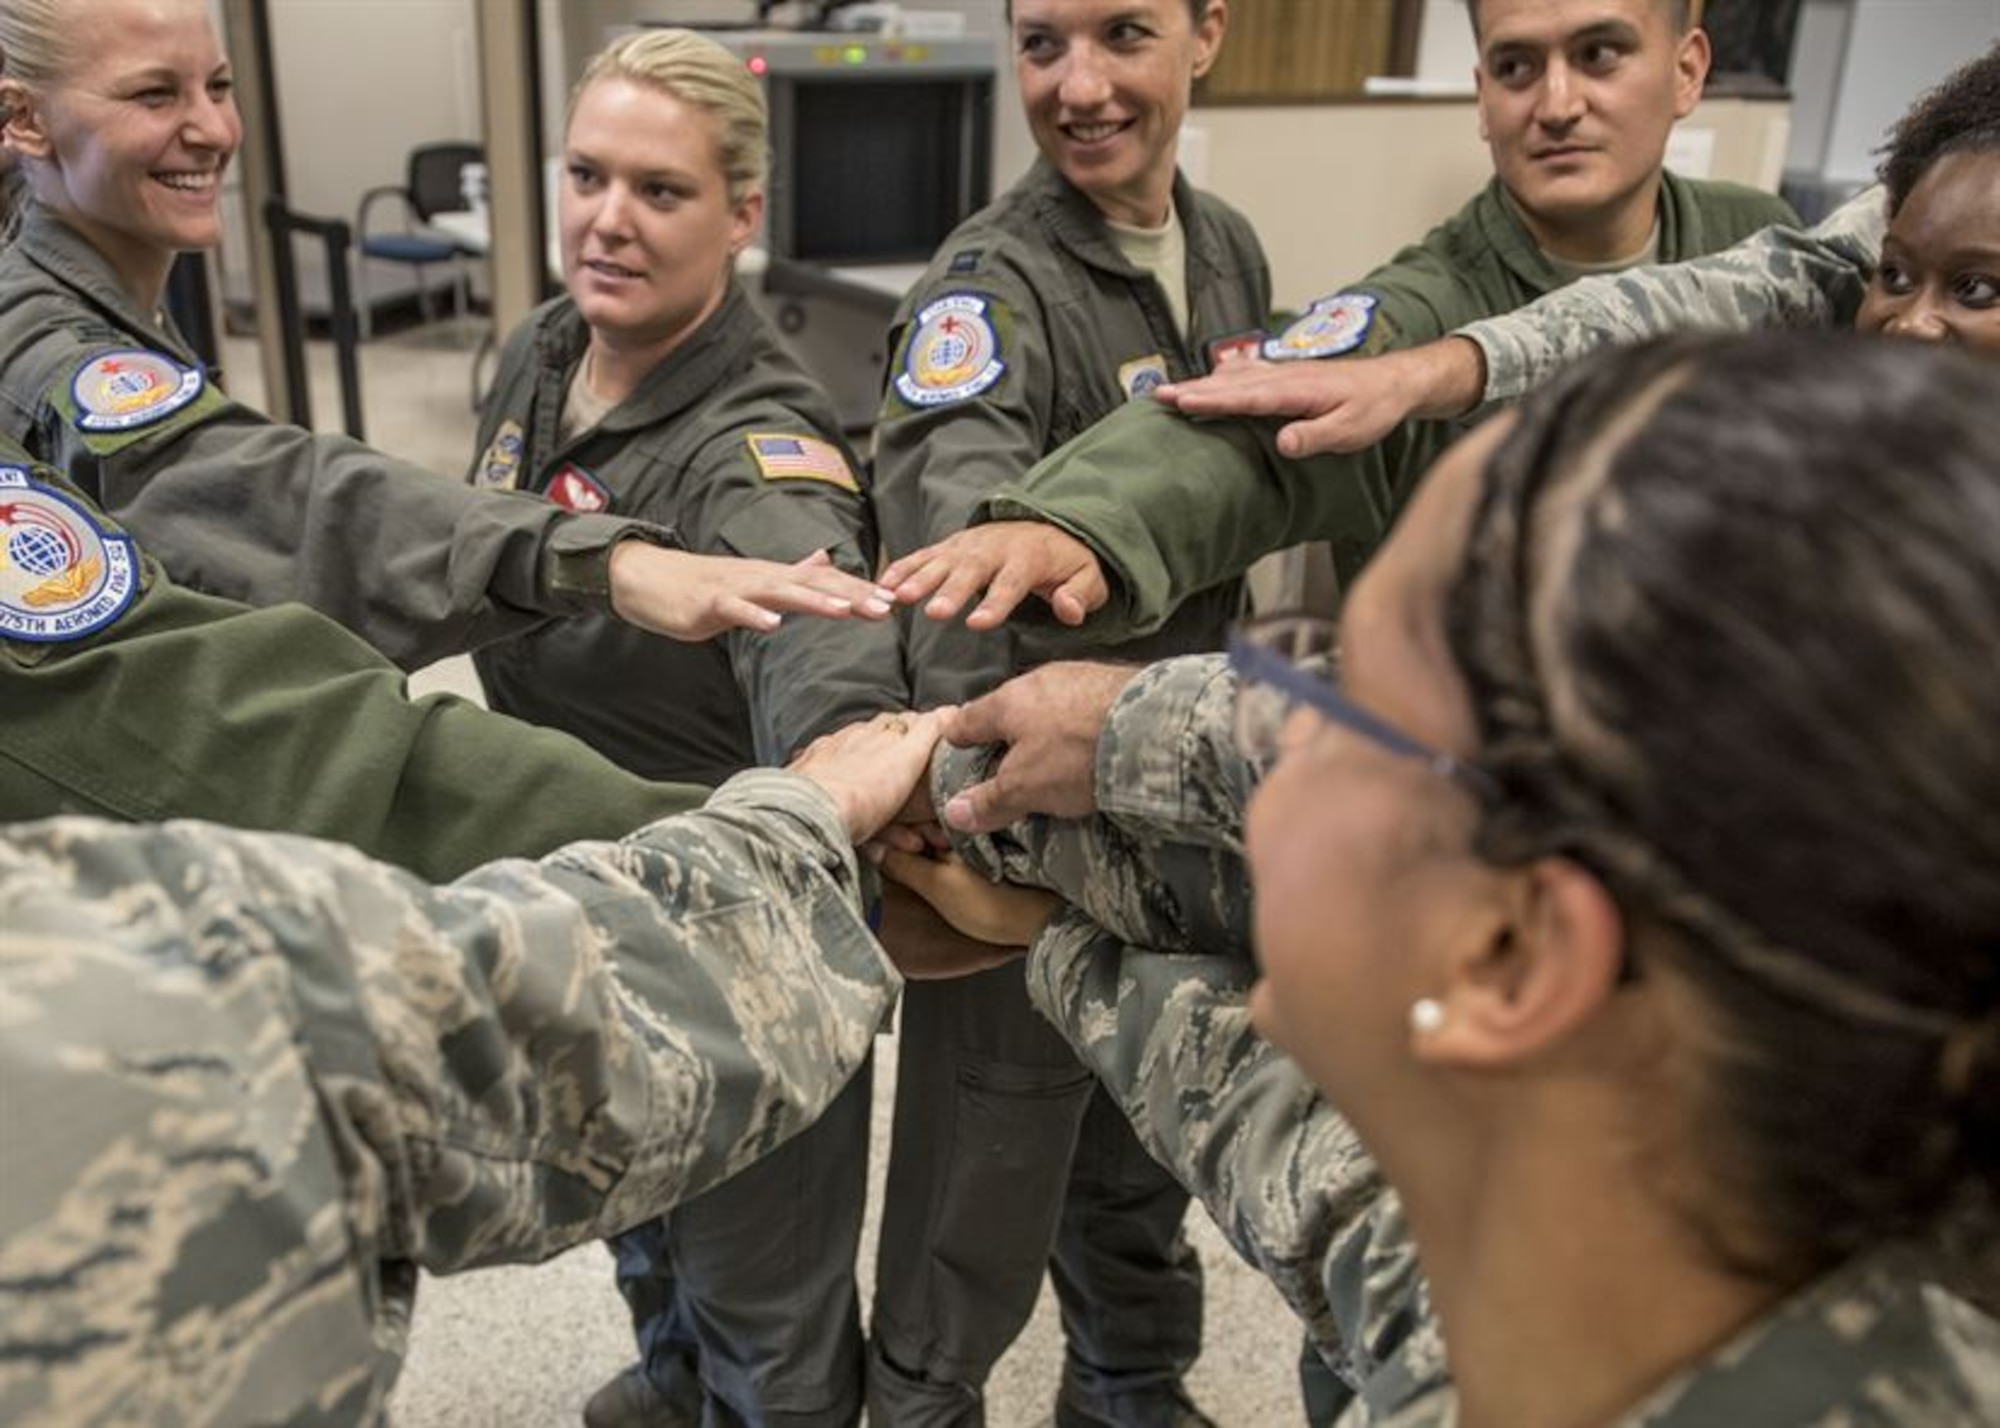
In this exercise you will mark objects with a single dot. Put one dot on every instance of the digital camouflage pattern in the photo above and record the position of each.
(1781, 277)
(251, 1083)
(1147, 976)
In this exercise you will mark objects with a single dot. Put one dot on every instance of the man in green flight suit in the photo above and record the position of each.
(1576, 100)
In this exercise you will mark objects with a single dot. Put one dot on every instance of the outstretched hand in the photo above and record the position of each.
(1049, 719)
(1342, 405)
(1009, 560)
(871, 769)
(696, 597)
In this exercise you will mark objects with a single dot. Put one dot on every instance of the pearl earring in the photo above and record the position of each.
(1426, 1016)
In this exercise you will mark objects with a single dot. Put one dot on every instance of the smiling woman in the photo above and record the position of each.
(130, 145)
(120, 116)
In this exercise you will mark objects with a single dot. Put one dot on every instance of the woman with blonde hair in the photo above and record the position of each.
(652, 388)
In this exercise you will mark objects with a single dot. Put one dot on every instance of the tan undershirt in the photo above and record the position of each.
(582, 407)
(1162, 252)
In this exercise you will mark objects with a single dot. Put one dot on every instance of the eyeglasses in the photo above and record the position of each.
(1284, 662)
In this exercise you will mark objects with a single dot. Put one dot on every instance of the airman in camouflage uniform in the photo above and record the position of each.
(254, 1083)
(1147, 977)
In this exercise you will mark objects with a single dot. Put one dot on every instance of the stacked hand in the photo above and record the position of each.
(1009, 561)
(696, 597)
(1342, 405)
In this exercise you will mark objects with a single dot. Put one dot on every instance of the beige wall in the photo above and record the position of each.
(1334, 189)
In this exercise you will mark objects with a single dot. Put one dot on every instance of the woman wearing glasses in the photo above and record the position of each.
(1623, 1042)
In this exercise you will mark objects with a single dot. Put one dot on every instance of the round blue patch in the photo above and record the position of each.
(1329, 327)
(62, 576)
(118, 391)
(954, 353)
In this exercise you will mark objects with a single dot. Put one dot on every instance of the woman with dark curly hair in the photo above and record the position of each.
(1623, 1040)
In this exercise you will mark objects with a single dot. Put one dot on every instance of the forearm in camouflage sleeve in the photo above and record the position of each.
(1162, 863)
(1284, 1176)
(1781, 277)
(619, 1026)
(263, 1072)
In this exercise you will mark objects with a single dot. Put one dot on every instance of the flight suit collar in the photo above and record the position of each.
(709, 357)
(68, 257)
(1501, 225)
(1074, 223)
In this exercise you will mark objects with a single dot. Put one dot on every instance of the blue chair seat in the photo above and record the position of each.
(409, 248)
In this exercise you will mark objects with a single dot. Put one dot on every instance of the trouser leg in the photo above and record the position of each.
(1129, 1283)
(1325, 1393)
(752, 1283)
(988, 1102)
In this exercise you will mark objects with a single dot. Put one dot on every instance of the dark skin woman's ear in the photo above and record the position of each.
(1555, 963)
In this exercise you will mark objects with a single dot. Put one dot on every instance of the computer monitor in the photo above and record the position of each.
(879, 147)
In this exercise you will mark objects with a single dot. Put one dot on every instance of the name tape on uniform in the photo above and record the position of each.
(62, 575)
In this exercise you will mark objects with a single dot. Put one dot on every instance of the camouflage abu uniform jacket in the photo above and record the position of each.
(1173, 506)
(1147, 976)
(235, 504)
(1781, 277)
(1028, 327)
(251, 1084)
(731, 444)
(182, 705)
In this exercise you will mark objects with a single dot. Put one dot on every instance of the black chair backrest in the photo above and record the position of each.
(434, 178)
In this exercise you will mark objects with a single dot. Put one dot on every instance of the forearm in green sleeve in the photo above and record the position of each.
(1780, 277)
(284, 721)
(1286, 1178)
(1173, 506)
(419, 565)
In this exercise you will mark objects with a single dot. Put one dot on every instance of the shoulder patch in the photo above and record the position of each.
(1329, 327)
(500, 468)
(1142, 374)
(801, 458)
(953, 354)
(62, 575)
(575, 489)
(966, 260)
(124, 390)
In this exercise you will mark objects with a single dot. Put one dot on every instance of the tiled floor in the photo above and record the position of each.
(527, 1346)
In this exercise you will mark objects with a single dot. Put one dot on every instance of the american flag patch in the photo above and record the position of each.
(802, 458)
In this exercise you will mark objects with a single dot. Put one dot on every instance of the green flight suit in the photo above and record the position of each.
(235, 504)
(1173, 507)
(744, 1297)
(190, 706)
(1029, 326)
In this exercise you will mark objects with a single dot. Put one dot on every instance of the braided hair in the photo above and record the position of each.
(1730, 622)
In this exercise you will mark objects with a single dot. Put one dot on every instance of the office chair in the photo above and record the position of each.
(434, 183)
